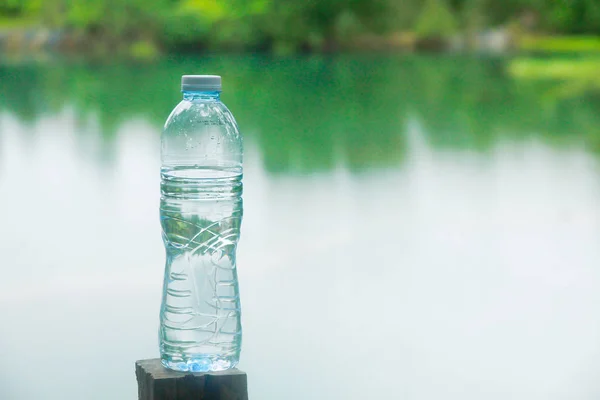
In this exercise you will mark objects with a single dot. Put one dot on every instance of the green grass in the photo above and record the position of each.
(16, 23)
(561, 44)
(584, 69)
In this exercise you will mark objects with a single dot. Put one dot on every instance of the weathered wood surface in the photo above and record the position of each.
(155, 382)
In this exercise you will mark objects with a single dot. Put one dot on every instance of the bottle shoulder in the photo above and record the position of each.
(201, 133)
(198, 113)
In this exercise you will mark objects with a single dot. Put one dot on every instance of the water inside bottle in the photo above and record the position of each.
(201, 213)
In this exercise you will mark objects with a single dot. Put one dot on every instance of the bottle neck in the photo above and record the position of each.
(194, 95)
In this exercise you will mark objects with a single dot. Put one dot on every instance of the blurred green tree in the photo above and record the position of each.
(289, 25)
(436, 20)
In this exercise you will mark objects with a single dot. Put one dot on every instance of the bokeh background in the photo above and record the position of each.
(422, 190)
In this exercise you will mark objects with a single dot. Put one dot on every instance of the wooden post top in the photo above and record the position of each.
(156, 382)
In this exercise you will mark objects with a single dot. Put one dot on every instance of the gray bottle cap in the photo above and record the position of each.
(200, 83)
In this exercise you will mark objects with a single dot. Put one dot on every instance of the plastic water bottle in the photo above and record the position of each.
(201, 214)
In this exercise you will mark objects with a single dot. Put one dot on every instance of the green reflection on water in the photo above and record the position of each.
(309, 114)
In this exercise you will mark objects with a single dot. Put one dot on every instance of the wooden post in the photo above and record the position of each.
(155, 382)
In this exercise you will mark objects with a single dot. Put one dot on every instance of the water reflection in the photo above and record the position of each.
(374, 262)
(304, 113)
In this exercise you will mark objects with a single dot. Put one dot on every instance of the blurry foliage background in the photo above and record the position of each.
(553, 70)
(551, 76)
(286, 26)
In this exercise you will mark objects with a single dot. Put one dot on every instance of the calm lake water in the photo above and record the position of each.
(415, 228)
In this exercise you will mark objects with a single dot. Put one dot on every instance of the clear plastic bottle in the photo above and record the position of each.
(201, 214)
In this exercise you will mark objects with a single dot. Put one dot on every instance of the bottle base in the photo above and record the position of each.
(200, 364)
